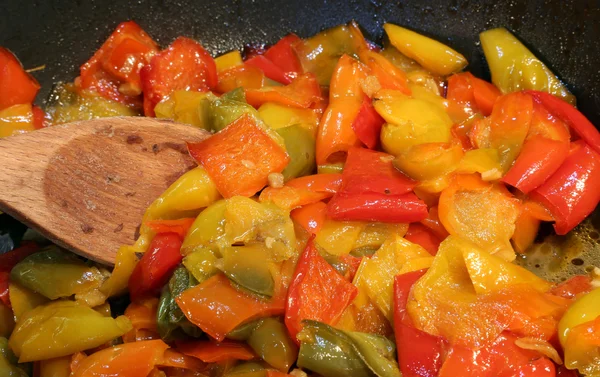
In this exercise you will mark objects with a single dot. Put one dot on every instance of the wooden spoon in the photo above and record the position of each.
(85, 185)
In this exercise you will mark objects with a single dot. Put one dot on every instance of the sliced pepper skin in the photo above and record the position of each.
(240, 157)
(184, 65)
(368, 123)
(404, 208)
(570, 115)
(571, 193)
(317, 292)
(155, 267)
(16, 86)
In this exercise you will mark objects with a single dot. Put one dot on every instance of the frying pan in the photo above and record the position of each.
(565, 34)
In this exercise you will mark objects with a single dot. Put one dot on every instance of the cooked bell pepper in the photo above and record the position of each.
(184, 65)
(411, 122)
(201, 263)
(302, 92)
(118, 281)
(423, 236)
(388, 75)
(70, 104)
(186, 107)
(283, 56)
(368, 171)
(171, 323)
(303, 190)
(215, 352)
(10, 258)
(584, 310)
(225, 110)
(320, 53)
(430, 160)
(573, 286)
(58, 367)
(239, 158)
(431, 54)
(539, 158)
(17, 86)
(61, 328)
(54, 273)
(316, 292)
(217, 307)
(114, 70)
(509, 126)
(8, 361)
(271, 342)
(336, 135)
(339, 237)
(581, 348)
(470, 297)
(367, 125)
(468, 95)
(375, 276)
(501, 359)
(377, 207)
(481, 212)
(310, 217)
(526, 230)
(485, 161)
(419, 353)
(300, 146)
(334, 353)
(131, 359)
(279, 116)
(576, 121)
(155, 267)
(434, 224)
(23, 300)
(515, 68)
(570, 193)
(16, 119)
(248, 369)
(179, 226)
(228, 60)
(269, 68)
(243, 76)
(248, 267)
(143, 317)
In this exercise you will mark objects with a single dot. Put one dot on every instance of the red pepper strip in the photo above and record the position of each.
(434, 224)
(39, 118)
(217, 307)
(284, 57)
(368, 171)
(310, 217)
(485, 94)
(240, 157)
(404, 208)
(571, 116)
(9, 259)
(317, 292)
(16, 86)
(368, 123)
(118, 62)
(573, 287)
(419, 353)
(270, 69)
(179, 226)
(421, 235)
(540, 157)
(571, 193)
(213, 352)
(184, 65)
(501, 359)
(156, 265)
(303, 92)
(4, 296)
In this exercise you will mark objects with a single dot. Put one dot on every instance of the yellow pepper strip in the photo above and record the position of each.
(485, 161)
(23, 300)
(376, 275)
(339, 237)
(411, 122)
(186, 107)
(585, 309)
(16, 119)
(228, 60)
(279, 116)
(514, 67)
(7, 321)
(431, 54)
(118, 281)
(62, 328)
(58, 367)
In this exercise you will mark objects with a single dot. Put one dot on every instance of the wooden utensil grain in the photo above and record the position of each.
(85, 185)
